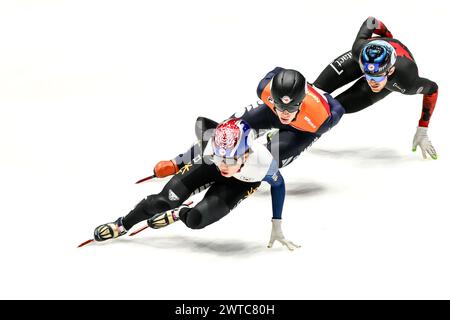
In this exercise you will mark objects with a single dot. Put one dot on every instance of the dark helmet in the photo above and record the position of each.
(288, 90)
(377, 58)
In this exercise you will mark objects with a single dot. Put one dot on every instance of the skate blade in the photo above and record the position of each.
(85, 243)
(137, 231)
(189, 203)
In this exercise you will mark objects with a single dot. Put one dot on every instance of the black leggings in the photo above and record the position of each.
(223, 195)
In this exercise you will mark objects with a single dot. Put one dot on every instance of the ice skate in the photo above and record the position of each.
(164, 219)
(110, 230)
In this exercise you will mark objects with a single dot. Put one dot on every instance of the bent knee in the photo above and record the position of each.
(193, 218)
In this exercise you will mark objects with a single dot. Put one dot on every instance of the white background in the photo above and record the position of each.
(93, 93)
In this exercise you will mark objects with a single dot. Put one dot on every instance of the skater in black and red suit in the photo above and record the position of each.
(381, 65)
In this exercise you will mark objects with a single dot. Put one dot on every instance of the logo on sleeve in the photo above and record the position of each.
(398, 87)
(340, 61)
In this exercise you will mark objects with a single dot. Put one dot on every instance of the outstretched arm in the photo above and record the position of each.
(429, 89)
(278, 192)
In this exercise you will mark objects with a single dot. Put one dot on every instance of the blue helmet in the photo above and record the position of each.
(377, 58)
(232, 138)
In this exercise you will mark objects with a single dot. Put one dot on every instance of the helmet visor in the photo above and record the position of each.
(218, 160)
(377, 79)
(289, 108)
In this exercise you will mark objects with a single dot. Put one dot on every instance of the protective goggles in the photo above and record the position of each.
(377, 79)
(288, 108)
(218, 160)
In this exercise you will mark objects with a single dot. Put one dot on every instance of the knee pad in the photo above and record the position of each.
(206, 212)
(192, 218)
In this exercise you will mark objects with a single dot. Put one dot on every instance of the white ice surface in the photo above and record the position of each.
(94, 93)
